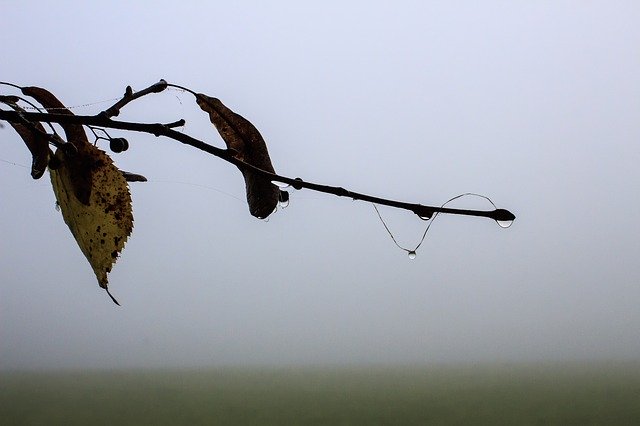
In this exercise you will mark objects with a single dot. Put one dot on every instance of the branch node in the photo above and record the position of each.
(341, 192)
(159, 129)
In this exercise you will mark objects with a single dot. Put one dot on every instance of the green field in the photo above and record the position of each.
(511, 395)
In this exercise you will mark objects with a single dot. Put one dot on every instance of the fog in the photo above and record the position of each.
(533, 104)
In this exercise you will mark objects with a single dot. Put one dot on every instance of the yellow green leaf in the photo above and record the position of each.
(101, 226)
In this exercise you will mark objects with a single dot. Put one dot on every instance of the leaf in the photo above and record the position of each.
(37, 144)
(92, 193)
(81, 172)
(33, 136)
(245, 141)
(102, 225)
(75, 132)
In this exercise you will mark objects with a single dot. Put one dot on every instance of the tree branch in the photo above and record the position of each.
(103, 120)
(129, 96)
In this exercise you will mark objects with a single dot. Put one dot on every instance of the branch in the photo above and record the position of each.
(103, 120)
(129, 96)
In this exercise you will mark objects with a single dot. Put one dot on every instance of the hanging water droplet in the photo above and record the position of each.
(57, 206)
(504, 223)
(283, 199)
(503, 217)
(423, 213)
(412, 254)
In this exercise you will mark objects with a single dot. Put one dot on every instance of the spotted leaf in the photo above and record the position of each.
(102, 225)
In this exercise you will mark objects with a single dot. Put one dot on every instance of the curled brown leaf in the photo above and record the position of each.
(75, 132)
(81, 170)
(33, 135)
(37, 143)
(247, 145)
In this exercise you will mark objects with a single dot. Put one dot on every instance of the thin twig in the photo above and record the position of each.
(129, 95)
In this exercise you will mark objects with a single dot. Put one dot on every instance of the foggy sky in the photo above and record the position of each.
(534, 104)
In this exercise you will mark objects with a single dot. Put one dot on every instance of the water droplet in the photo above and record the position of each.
(280, 185)
(283, 199)
(423, 213)
(412, 254)
(504, 223)
(57, 206)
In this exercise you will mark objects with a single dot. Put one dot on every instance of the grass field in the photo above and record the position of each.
(511, 395)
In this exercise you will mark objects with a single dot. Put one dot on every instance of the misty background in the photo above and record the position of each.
(533, 104)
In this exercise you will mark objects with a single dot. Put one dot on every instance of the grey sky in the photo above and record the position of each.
(534, 104)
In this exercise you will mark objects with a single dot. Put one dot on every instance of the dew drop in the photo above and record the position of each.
(280, 185)
(412, 254)
(283, 199)
(424, 217)
(57, 206)
(504, 223)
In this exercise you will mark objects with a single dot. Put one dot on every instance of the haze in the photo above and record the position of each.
(534, 104)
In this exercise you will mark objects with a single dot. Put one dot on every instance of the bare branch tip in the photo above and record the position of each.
(178, 123)
(159, 86)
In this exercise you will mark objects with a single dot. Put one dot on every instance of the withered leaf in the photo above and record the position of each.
(81, 171)
(75, 132)
(33, 136)
(102, 225)
(38, 145)
(248, 145)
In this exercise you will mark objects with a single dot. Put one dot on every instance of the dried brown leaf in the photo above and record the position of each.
(248, 145)
(75, 132)
(101, 226)
(37, 144)
(33, 136)
(81, 171)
